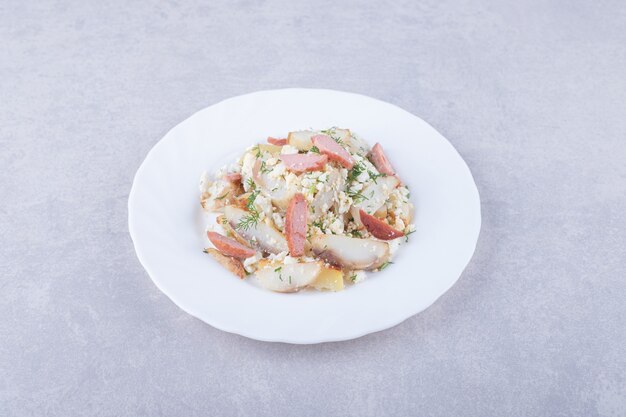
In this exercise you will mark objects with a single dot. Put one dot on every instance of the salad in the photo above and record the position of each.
(316, 209)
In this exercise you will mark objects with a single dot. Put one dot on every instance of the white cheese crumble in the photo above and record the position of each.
(246, 169)
(250, 264)
(264, 205)
(279, 221)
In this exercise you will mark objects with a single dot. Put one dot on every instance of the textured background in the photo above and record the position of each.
(531, 93)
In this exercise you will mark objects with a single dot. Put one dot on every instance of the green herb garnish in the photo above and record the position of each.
(264, 168)
(250, 201)
(331, 132)
(356, 196)
(318, 223)
(385, 265)
(374, 176)
(356, 170)
(222, 197)
(251, 219)
(356, 233)
(314, 149)
(407, 235)
(248, 221)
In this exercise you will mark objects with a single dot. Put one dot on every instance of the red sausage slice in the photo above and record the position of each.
(380, 161)
(230, 247)
(335, 152)
(277, 141)
(304, 162)
(379, 228)
(295, 225)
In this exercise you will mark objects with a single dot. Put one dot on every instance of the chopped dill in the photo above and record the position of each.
(336, 139)
(278, 269)
(374, 176)
(318, 223)
(356, 196)
(248, 221)
(406, 235)
(356, 170)
(385, 265)
(264, 169)
(252, 218)
(331, 132)
(251, 198)
(353, 277)
(222, 197)
(356, 233)
(314, 149)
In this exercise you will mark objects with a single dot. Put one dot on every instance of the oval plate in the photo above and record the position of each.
(167, 224)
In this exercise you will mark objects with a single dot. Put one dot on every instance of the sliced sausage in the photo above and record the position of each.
(378, 228)
(230, 247)
(335, 152)
(380, 161)
(304, 162)
(277, 141)
(295, 224)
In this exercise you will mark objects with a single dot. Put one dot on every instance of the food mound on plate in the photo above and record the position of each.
(316, 209)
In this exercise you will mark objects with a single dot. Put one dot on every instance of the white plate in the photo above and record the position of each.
(166, 222)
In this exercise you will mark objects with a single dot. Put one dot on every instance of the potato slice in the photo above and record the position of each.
(405, 212)
(356, 145)
(377, 193)
(276, 188)
(330, 279)
(261, 235)
(228, 194)
(272, 149)
(301, 139)
(342, 134)
(349, 252)
(324, 200)
(233, 265)
(229, 231)
(281, 277)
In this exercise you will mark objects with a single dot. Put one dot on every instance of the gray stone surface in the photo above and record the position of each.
(532, 94)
